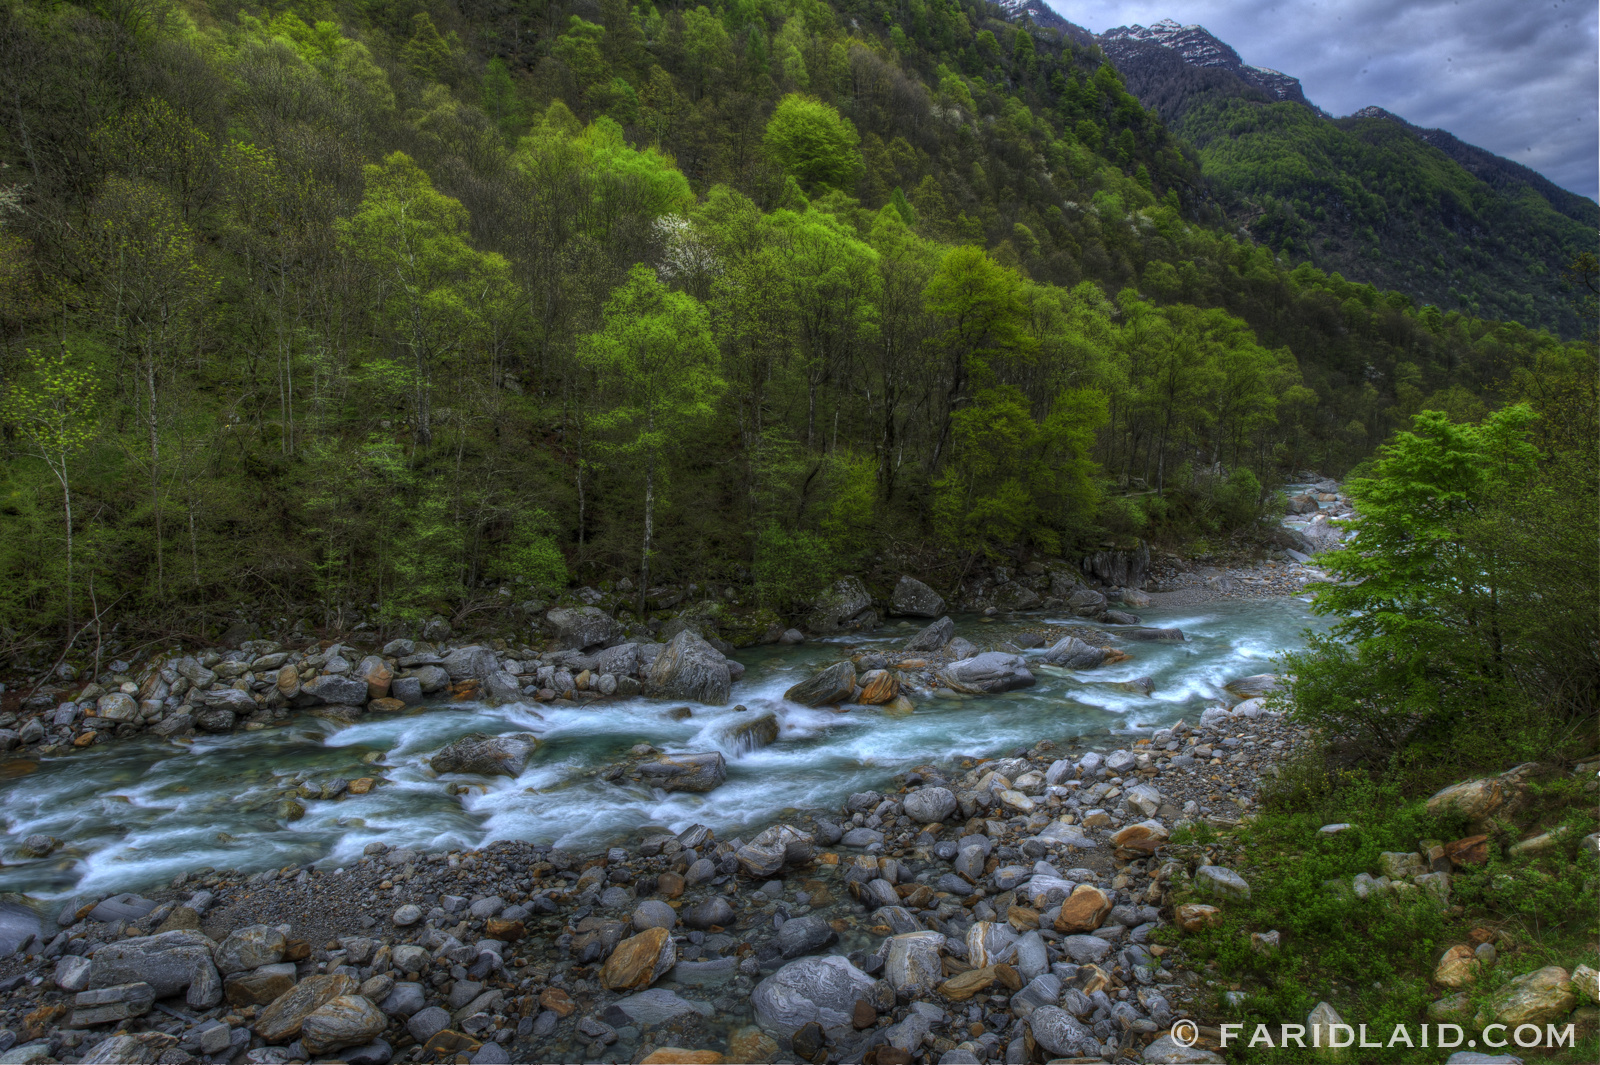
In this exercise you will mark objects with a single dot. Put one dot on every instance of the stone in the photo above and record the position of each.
(964, 985)
(1265, 942)
(1473, 850)
(231, 699)
(653, 913)
(929, 805)
(425, 1024)
(713, 912)
(1320, 1026)
(281, 1021)
(216, 719)
(913, 599)
(580, 628)
(404, 1000)
(250, 947)
(680, 1056)
(259, 987)
(1253, 686)
(1060, 1033)
(1540, 997)
(911, 962)
(820, 990)
(103, 1005)
(1196, 917)
(1472, 799)
(879, 686)
(842, 603)
(1073, 653)
(654, 1006)
(686, 772)
(836, 684)
(336, 688)
(932, 638)
(804, 935)
(1221, 882)
(1151, 635)
(116, 707)
(485, 755)
(751, 1044)
(1398, 865)
(168, 962)
(1084, 910)
(72, 972)
(1086, 950)
(639, 961)
(347, 1020)
(751, 732)
(990, 943)
(690, 668)
(1145, 798)
(407, 915)
(126, 907)
(772, 849)
(1458, 967)
(1168, 1051)
(141, 1049)
(988, 673)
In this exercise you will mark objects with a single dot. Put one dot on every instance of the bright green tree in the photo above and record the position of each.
(655, 357)
(813, 143)
(52, 407)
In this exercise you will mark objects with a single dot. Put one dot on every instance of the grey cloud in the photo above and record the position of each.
(1517, 77)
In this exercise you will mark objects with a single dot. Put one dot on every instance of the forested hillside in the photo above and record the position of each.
(406, 309)
(1370, 195)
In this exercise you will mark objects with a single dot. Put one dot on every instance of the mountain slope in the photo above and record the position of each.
(1371, 195)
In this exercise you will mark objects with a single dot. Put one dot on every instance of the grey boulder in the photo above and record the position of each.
(487, 755)
(933, 637)
(810, 990)
(804, 935)
(836, 684)
(169, 962)
(843, 602)
(579, 628)
(686, 772)
(690, 668)
(1074, 653)
(913, 599)
(772, 849)
(987, 674)
(928, 805)
(1060, 1033)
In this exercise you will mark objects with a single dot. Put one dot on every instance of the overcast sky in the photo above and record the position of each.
(1518, 77)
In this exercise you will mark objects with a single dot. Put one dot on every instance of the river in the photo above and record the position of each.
(136, 812)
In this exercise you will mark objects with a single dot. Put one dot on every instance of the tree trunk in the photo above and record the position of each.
(649, 519)
(155, 470)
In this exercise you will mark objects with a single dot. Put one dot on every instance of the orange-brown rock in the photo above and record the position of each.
(557, 1001)
(1022, 918)
(751, 1044)
(362, 785)
(448, 1042)
(280, 1022)
(639, 961)
(378, 676)
(1457, 968)
(963, 986)
(386, 706)
(1008, 976)
(1084, 911)
(1194, 916)
(86, 740)
(506, 931)
(878, 686)
(670, 884)
(680, 1056)
(1473, 850)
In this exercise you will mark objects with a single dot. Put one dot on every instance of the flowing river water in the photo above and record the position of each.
(135, 812)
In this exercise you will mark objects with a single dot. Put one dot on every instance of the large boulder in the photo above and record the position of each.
(376, 672)
(1014, 595)
(579, 628)
(1151, 635)
(1073, 653)
(911, 963)
(686, 772)
(987, 674)
(928, 805)
(1060, 1033)
(487, 755)
(281, 1021)
(933, 637)
(250, 947)
(690, 668)
(750, 732)
(836, 684)
(1252, 686)
(843, 602)
(335, 688)
(1540, 997)
(344, 1021)
(470, 663)
(816, 990)
(774, 848)
(169, 963)
(1086, 602)
(913, 599)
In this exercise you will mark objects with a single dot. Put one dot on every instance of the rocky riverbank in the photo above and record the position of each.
(990, 910)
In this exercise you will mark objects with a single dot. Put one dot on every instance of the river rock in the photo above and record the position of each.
(141, 1049)
(104, 1005)
(819, 990)
(653, 1007)
(250, 947)
(1196, 916)
(1060, 1033)
(1540, 997)
(1472, 799)
(690, 668)
(580, 628)
(431, 679)
(653, 913)
(347, 1020)
(259, 987)
(1253, 686)
(1222, 882)
(836, 684)
(1150, 635)
(425, 1024)
(1073, 653)
(751, 732)
(1084, 910)
(1168, 1051)
(913, 599)
(930, 804)
(117, 707)
(472, 662)
(715, 911)
(844, 601)
(404, 1000)
(639, 961)
(487, 755)
(933, 637)
(879, 686)
(989, 673)
(281, 1021)
(376, 672)
(804, 935)
(772, 849)
(1086, 602)
(686, 772)
(335, 688)
(169, 962)
(911, 963)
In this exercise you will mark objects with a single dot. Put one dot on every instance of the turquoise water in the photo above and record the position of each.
(136, 812)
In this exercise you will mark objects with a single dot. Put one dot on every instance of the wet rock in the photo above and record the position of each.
(652, 1007)
(932, 638)
(250, 947)
(751, 732)
(804, 935)
(653, 913)
(1168, 1051)
(348, 1020)
(686, 772)
(879, 686)
(1060, 1033)
(989, 943)
(169, 962)
(911, 962)
(930, 804)
(281, 1021)
(425, 1024)
(1084, 911)
(639, 961)
(216, 719)
(1086, 602)
(486, 755)
(987, 674)
(820, 990)
(141, 1049)
(1073, 653)
(405, 1000)
(336, 688)
(690, 668)
(836, 684)
(580, 628)
(713, 912)
(772, 849)
(259, 987)
(124, 907)
(1149, 635)
(913, 599)
(104, 1005)
(845, 601)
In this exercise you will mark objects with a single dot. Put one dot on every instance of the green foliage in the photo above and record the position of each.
(812, 142)
(790, 565)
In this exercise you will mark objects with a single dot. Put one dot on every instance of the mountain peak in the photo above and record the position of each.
(1044, 17)
(1197, 47)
